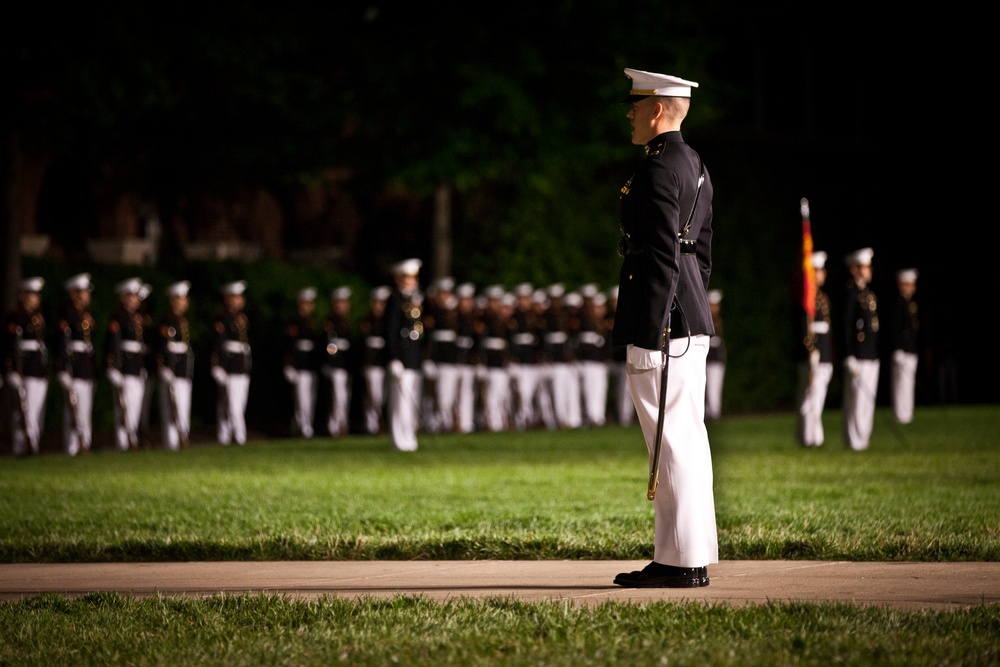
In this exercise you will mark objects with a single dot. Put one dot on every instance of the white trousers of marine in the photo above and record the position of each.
(374, 398)
(127, 426)
(813, 385)
(685, 532)
(594, 391)
(35, 390)
(446, 389)
(715, 375)
(904, 385)
(232, 425)
(524, 380)
(621, 401)
(339, 421)
(84, 390)
(860, 390)
(173, 425)
(404, 409)
(466, 398)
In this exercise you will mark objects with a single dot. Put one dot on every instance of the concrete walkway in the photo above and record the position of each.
(908, 586)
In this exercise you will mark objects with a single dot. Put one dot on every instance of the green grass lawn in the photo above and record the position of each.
(927, 491)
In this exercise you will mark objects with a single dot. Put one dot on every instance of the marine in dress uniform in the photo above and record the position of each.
(301, 362)
(622, 408)
(75, 363)
(466, 357)
(26, 367)
(816, 365)
(371, 330)
(524, 357)
(861, 362)
(715, 363)
(905, 333)
(494, 354)
(563, 382)
(337, 360)
(146, 414)
(125, 361)
(591, 340)
(175, 367)
(404, 313)
(231, 362)
(441, 319)
(666, 243)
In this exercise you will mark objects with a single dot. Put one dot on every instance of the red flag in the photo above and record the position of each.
(808, 270)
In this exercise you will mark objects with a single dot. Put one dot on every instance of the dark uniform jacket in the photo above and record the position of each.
(905, 325)
(372, 331)
(590, 339)
(126, 344)
(442, 325)
(556, 345)
(494, 349)
(862, 325)
(173, 349)
(74, 345)
(820, 336)
(24, 349)
(404, 327)
(655, 204)
(525, 338)
(231, 344)
(337, 342)
(301, 352)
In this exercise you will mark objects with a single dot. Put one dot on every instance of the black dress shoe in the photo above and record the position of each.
(656, 575)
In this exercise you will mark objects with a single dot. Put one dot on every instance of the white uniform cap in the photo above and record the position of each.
(862, 257)
(907, 276)
(381, 293)
(32, 284)
(445, 284)
(714, 296)
(508, 299)
(556, 290)
(237, 287)
(600, 299)
(343, 293)
(306, 294)
(523, 289)
(179, 289)
(645, 84)
(494, 292)
(613, 292)
(819, 259)
(79, 281)
(540, 297)
(573, 300)
(129, 286)
(407, 267)
(466, 290)
(589, 291)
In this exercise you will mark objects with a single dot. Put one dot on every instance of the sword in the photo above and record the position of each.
(654, 469)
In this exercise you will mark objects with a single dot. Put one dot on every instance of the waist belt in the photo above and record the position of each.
(177, 347)
(523, 339)
(303, 345)
(80, 346)
(556, 337)
(821, 327)
(444, 336)
(375, 342)
(341, 344)
(688, 246)
(236, 347)
(591, 338)
(30, 345)
(494, 343)
(132, 346)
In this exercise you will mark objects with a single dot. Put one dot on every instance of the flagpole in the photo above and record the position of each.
(808, 284)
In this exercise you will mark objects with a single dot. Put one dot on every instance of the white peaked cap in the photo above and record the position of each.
(79, 281)
(306, 294)
(445, 284)
(179, 289)
(344, 292)
(381, 293)
(714, 296)
(407, 267)
(466, 290)
(34, 284)
(523, 289)
(573, 299)
(819, 259)
(907, 276)
(129, 286)
(494, 292)
(556, 290)
(589, 291)
(237, 287)
(862, 257)
(646, 83)
(613, 292)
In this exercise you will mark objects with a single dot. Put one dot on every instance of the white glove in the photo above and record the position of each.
(814, 358)
(167, 375)
(396, 368)
(291, 374)
(219, 374)
(65, 379)
(116, 377)
(14, 380)
(851, 364)
(430, 369)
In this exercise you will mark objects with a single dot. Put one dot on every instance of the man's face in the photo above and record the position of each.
(178, 304)
(30, 301)
(130, 302)
(80, 298)
(234, 303)
(641, 114)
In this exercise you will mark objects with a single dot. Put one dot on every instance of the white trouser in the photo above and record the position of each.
(813, 383)
(447, 396)
(904, 379)
(496, 388)
(621, 400)
(84, 390)
(524, 382)
(566, 395)
(594, 388)
(685, 528)
(339, 422)
(133, 390)
(35, 390)
(375, 398)
(404, 409)
(860, 387)
(715, 374)
(232, 411)
(173, 425)
(544, 401)
(466, 398)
